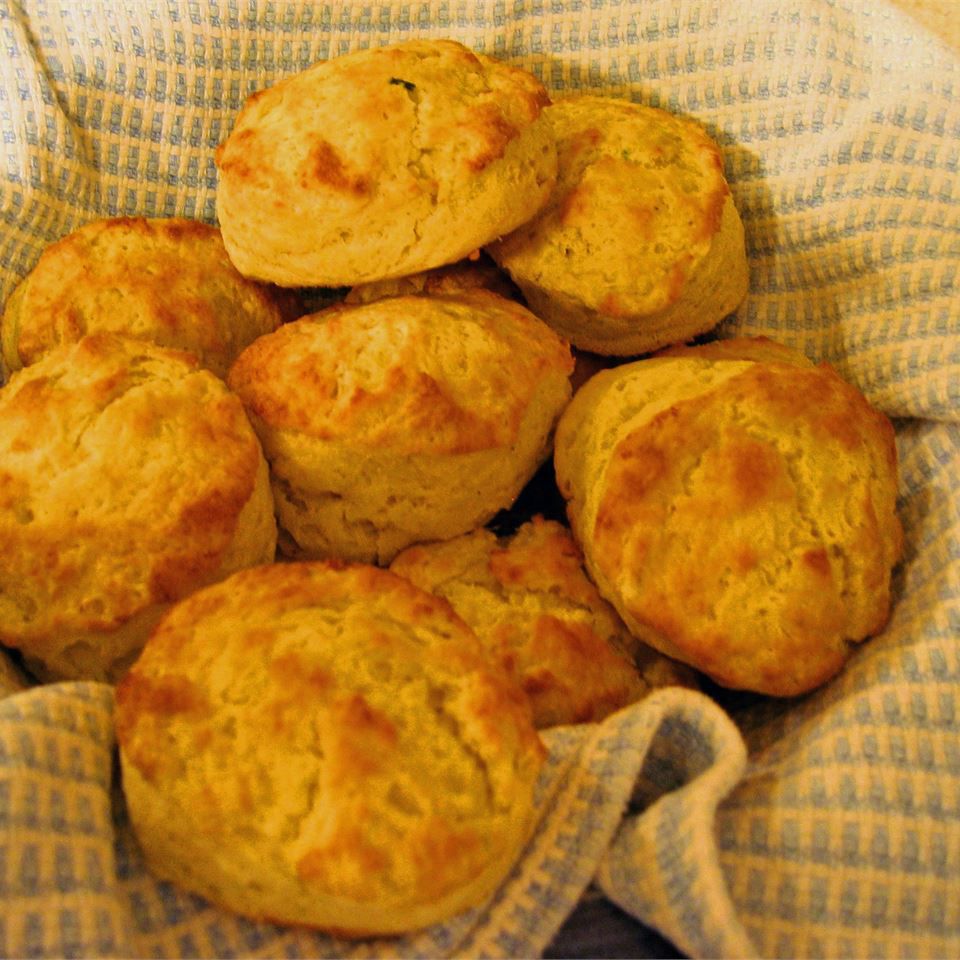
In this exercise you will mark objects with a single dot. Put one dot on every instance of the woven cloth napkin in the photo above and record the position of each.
(823, 826)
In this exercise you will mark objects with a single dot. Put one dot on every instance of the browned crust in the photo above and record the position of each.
(673, 549)
(168, 280)
(299, 378)
(74, 562)
(324, 167)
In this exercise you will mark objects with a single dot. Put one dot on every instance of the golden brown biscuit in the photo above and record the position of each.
(530, 603)
(382, 163)
(740, 515)
(640, 244)
(128, 478)
(168, 281)
(324, 744)
(401, 420)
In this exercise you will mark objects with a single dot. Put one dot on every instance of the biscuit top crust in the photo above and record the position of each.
(438, 374)
(123, 468)
(638, 202)
(166, 280)
(533, 607)
(373, 754)
(538, 560)
(364, 99)
(801, 471)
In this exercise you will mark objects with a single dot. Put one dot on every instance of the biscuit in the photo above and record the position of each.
(529, 601)
(164, 280)
(478, 272)
(381, 163)
(740, 515)
(405, 419)
(128, 478)
(739, 348)
(640, 244)
(323, 744)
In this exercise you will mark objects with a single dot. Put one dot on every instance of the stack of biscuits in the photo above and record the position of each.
(279, 531)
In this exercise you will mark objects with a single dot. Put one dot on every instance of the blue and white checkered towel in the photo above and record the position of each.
(828, 826)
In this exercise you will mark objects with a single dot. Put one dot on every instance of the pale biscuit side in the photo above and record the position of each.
(335, 499)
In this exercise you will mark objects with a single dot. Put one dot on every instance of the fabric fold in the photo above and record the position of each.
(832, 828)
(662, 864)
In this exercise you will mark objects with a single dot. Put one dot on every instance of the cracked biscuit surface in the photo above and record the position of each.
(740, 514)
(382, 163)
(537, 614)
(323, 744)
(128, 478)
(406, 419)
(640, 244)
(166, 280)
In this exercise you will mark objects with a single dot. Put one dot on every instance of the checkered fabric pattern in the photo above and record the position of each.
(828, 826)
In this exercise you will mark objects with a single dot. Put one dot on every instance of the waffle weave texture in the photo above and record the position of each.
(822, 827)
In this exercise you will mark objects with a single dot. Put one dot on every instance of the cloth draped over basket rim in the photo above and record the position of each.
(823, 826)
